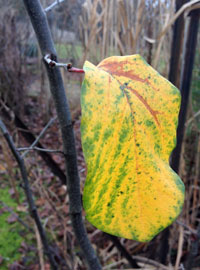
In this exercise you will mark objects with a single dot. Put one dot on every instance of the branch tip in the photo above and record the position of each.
(67, 66)
(53, 5)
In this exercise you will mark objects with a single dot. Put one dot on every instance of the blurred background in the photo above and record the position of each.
(166, 34)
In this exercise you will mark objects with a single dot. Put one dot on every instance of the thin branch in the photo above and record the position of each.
(35, 148)
(43, 34)
(40, 135)
(29, 196)
(180, 248)
(114, 264)
(150, 40)
(53, 5)
(150, 262)
(123, 250)
(40, 248)
(67, 66)
(30, 138)
(192, 118)
(192, 231)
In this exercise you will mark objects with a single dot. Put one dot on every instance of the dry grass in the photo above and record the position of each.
(126, 27)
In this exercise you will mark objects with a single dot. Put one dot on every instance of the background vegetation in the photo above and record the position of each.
(92, 30)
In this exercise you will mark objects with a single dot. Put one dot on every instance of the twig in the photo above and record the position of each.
(143, 260)
(192, 231)
(27, 149)
(150, 40)
(67, 66)
(180, 248)
(29, 196)
(150, 262)
(30, 138)
(50, 7)
(42, 31)
(192, 118)
(40, 135)
(40, 248)
(123, 250)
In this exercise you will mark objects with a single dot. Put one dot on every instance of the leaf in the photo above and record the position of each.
(128, 129)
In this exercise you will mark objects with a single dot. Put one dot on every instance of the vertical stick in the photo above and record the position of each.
(104, 39)
(176, 48)
(180, 247)
(185, 88)
(185, 84)
(40, 25)
(138, 24)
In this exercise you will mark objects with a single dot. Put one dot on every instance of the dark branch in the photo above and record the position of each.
(123, 250)
(29, 196)
(40, 25)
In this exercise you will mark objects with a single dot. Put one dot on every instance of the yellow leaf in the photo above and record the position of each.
(128, 129)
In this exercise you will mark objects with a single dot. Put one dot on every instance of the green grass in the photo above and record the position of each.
(76, 52)
(66, 51)
(10, 238)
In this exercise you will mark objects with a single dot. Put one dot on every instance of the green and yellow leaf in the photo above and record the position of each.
(128, 129)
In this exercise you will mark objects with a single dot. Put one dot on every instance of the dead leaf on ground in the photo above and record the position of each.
(12, 218)
(21, 208)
